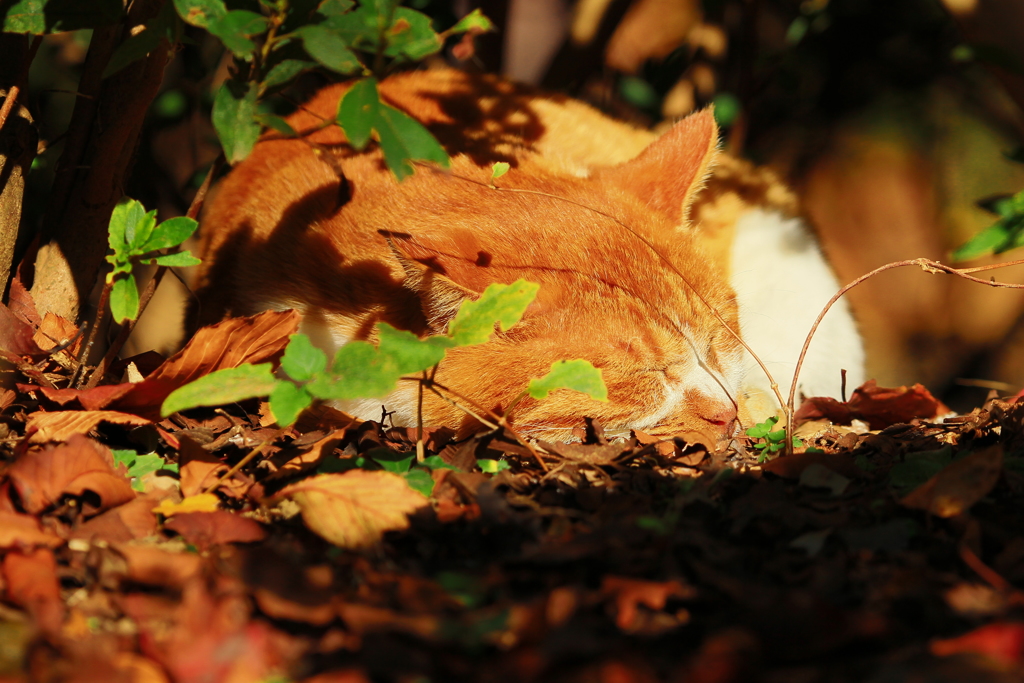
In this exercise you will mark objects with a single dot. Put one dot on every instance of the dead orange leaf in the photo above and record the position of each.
(17, 530)
(60, 425)
(31, 581)
(203, 502)
(354, 509)
(80, 465)
(960, 484)
(628, 593)
(1002, 641)
(205, 529)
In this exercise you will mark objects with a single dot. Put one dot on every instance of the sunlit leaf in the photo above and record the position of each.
(222, 387)
(474, 21)
(474, 323)
(287, 401)
(170, 233)
(203, 502)
(411, 35)
(301, 360)
(577, 375)
(181, 259)
(124, 299)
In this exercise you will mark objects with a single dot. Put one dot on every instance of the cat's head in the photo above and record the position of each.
(623, 284)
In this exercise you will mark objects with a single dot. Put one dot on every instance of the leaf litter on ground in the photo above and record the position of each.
(891, 551)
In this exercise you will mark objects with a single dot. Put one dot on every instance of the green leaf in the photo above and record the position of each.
(127, 214)
(402, 138)
(419, 479)
(638, 92)
(170, 233)
(234, 117)
(137, 234)
(329, 49)
(436, 462)
(287, 401)
(221, 387)
(124, 299)
(474, 322)
(200, 12)
(181, 259)
(499, 169)
(163, 25)
(56, 16)
(917, 468)
(301, 360)
(234, 30)
(286, 70)
(277, 123)
(330, 8)
(411, 35)
(409, 353)
(147, 463)
(390, 461)
(492, 466)
(578, 375)
(474, 21)
(761, 429)
(357, 111)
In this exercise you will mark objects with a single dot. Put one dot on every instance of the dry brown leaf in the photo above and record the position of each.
(153, 566)
(960, 484)
(54, 331)
(19, 531)
(227, 344)
(651, 29)
(628, 593)
(80, 465)
(879, 406)
(31, 581)
(354, 509)
(124, 523)
(205, 529)
(60, 425)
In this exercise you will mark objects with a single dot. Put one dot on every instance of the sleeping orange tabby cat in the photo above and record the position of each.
(591, 210)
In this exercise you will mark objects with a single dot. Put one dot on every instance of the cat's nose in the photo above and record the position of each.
(722, 415)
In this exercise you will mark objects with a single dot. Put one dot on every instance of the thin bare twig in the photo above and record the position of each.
(239, 465)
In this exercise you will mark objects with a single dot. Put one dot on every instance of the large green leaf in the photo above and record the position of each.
(357, 111)
(287, 402)
(55, 16)
(222, 387)
(234, 30)
(411, 35)
(474, 323)
(301, 360)
(577, 375)
(234, 118)
(329, 49)
(170, 233)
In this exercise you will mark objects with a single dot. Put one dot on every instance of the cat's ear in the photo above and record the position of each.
(440, 295)
(668, 175)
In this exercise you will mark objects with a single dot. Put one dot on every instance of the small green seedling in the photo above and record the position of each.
(772, 441)
(499, 169)
(139, 465)
(135, 237)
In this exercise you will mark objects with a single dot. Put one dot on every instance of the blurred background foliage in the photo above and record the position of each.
(894, 120)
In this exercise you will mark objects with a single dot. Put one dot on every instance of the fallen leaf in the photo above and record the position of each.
(152, 566)
(960, 484)
(880, 407)
(62, 424)
(54, 331)
(202, 502)
(80, 465)
(124, 523)
(227, 344)
(627, 594)
(205, 529)
(31, 580)
(21, 531)
(354, 509)
(1001, 641)
(16, 335)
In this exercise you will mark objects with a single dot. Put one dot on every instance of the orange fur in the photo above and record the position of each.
(283, 231)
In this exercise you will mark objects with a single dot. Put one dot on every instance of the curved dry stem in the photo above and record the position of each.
(929, 266)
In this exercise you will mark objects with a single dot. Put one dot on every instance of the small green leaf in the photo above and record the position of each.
(181, 259)
(124, 219)
(301, 360)
(234, 30)
(200, 12)
(287, 401)
(409, 353)
(234, 118)
(436, 462)
(277, 123)
(727, 108)
(411, 35)
(329, 49)
(390, 461)
(419, 479)
(499, 169)
(638, 92)
(474, 21)
(124, 299)
(492, 466)
(221, 387)
(474, 323)
(761, 429)
(286, 70)
(170, 233)
(330, 8)
(577, 375)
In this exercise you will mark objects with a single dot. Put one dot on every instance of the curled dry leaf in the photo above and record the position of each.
(19, 531)
(960, 484)
(80, 465)
(62, 424)
(16, 335)
(354, 509)
(879, 406)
